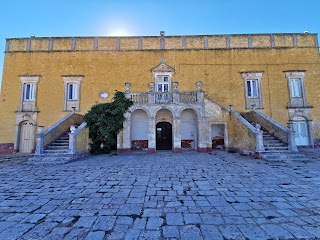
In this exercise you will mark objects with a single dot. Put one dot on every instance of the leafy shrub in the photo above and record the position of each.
(105, 121)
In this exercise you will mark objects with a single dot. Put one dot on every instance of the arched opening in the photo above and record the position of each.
(164, 130)
(27, 137)
(217, 136)
(301, 131)
(139, 130)
(189, 129)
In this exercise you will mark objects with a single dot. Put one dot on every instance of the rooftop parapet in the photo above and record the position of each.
(147, 43)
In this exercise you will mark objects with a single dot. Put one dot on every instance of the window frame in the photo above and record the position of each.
(295, 100)
(28, 100)
(253, 101)
(74, 103)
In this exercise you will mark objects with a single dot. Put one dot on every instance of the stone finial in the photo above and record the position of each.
(127, 85)
(162, 33)
(199, 86)
(151, 86)
(40, 129)
(258, 126)
(72, 128)
(231, 107)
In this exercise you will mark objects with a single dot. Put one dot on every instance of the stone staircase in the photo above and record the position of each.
(56, 152)
(275, 150)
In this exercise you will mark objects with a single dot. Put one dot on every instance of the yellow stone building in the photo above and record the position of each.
(204, 91)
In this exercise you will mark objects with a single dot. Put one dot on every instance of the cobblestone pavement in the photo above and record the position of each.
(161, 196)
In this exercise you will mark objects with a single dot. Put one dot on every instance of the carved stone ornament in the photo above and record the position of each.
(162, 67)
(103, 95)
(127, 85)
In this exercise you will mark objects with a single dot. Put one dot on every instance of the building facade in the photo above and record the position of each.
(188, 91)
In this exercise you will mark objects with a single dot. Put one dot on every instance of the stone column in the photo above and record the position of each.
(152, 135)
(291, 140)
(176, 135)
(126, 136)
(72, 143)
(39, 141)
(202, 146)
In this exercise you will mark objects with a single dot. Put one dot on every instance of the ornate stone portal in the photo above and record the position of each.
(165, 118)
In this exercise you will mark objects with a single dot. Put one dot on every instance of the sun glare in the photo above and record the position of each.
(119, 33)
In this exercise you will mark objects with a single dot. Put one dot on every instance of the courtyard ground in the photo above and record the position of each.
(161, 196)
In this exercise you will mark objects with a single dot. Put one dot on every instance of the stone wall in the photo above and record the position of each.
(161, 42)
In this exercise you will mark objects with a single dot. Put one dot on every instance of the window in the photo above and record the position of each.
(163, 83)
(253, 93)
(72, 93)
(29, 91)
(295, 87)
(297, 96)
(252, 88)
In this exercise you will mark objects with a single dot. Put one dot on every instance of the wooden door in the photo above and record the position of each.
(27, 137)
(164, 136)
(301, 133)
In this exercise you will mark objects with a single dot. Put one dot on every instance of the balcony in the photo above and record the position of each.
(173, 97)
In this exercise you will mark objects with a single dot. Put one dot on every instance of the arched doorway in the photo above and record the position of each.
(27, 137)
(189, 129)
(301, 131)
(139, 130)
(164, 136)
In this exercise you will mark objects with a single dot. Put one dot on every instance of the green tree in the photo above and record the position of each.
(105, 121)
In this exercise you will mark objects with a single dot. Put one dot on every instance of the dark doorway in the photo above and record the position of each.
(164, 136)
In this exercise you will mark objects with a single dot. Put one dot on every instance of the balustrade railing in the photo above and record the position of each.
(188, 97)
(139, 97)
(165, 97)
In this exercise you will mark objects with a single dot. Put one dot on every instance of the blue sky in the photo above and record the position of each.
(55, 18)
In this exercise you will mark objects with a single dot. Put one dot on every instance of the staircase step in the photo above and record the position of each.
(59, 144)
(55, 151)
(276, 148)
(58, 147)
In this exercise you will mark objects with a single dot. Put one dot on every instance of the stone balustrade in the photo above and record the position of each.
(166, 97)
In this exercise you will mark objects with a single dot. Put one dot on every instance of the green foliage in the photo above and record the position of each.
(105, 121)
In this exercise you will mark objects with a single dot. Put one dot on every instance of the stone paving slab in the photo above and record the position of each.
(161, 196)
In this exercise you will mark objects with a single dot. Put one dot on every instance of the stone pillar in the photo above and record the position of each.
(126, 147)
(151, 97)
(175, 92)
(72, 143)
(152, 135)
(259, 141)
(291, 140)
(127, 92)
(202, 133)
(176, 135)
(39, 144)
(39, 141)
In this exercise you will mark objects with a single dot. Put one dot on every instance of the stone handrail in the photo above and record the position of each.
(274, 128)
(246, 139)
(55, 131)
